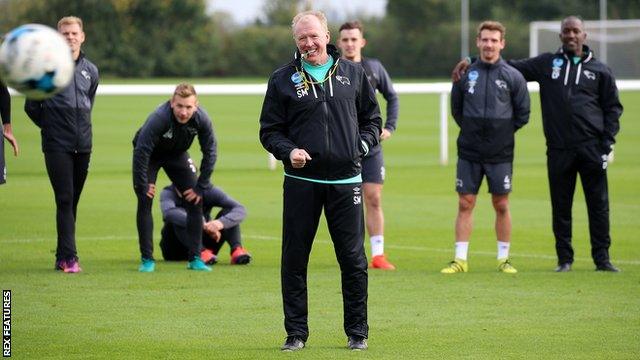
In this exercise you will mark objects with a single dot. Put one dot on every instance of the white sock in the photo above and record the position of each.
(462, 248)
(503, 249)
(377, 245)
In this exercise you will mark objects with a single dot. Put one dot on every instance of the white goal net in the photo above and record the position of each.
(614, 42)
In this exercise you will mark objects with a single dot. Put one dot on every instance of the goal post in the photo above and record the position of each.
(614, 42)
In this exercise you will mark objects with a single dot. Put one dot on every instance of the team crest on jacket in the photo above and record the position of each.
(502, 84)
(556, 67)
(473, 79)
(343, 80)
(589, 75)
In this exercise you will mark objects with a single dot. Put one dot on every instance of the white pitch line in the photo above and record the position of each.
(322, 241)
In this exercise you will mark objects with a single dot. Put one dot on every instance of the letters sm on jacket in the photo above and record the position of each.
(329, 120)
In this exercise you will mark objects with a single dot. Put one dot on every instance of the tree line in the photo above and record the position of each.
(163, 38)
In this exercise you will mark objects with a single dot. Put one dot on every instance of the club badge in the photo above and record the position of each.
(590, 75)
(473, 77)
(555, 70)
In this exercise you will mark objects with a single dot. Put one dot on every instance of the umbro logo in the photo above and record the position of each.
(357, 195)
(86, 75)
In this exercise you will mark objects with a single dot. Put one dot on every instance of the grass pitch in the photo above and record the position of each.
(112, 311)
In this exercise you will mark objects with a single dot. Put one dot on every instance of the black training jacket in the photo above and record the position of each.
(489, 104)
(163, 135)
(580, 104)
(65, 119)
(380, 80)
(327, 121)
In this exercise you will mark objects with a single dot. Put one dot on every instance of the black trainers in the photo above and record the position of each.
(566, 267)
(357, 343)
(293, 343)
(607, 267)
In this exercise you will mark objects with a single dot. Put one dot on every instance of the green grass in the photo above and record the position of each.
(112, 311)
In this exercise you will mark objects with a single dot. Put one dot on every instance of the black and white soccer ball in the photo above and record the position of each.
(36, 60)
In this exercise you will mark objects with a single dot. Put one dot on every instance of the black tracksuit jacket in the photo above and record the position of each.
(162, 135)
(489, 104)
(580, 104)
(65, 119)
(323, 120)
(380, 80)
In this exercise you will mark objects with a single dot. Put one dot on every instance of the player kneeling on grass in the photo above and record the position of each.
(225, 227)
(489, 105)
(162, 142)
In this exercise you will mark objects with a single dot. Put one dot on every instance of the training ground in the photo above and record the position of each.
(235, 312)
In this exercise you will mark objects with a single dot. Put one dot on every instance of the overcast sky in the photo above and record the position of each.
(245, 11)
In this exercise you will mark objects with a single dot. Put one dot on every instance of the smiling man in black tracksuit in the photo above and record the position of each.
(65, 124)
(320, 117)
(580, 114)
(580, 117)
(162, 142)
(489, 104)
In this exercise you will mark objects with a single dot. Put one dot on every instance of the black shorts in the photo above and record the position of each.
(469, 177)
(373, 168)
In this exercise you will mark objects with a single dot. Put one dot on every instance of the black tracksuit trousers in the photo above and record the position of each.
(182, 172)
(563, 166)
(67, 173)
(342, 204)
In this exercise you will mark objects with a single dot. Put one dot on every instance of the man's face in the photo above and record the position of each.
(311, 39)
(351, 43)
(74, 36)
(490, 43)
(183, 108)
(572, 36)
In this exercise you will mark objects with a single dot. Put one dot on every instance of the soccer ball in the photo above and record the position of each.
(36, 60)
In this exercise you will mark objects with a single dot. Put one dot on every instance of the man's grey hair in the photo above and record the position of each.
(318, 14)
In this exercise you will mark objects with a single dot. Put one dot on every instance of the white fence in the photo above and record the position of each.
(441, 88)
